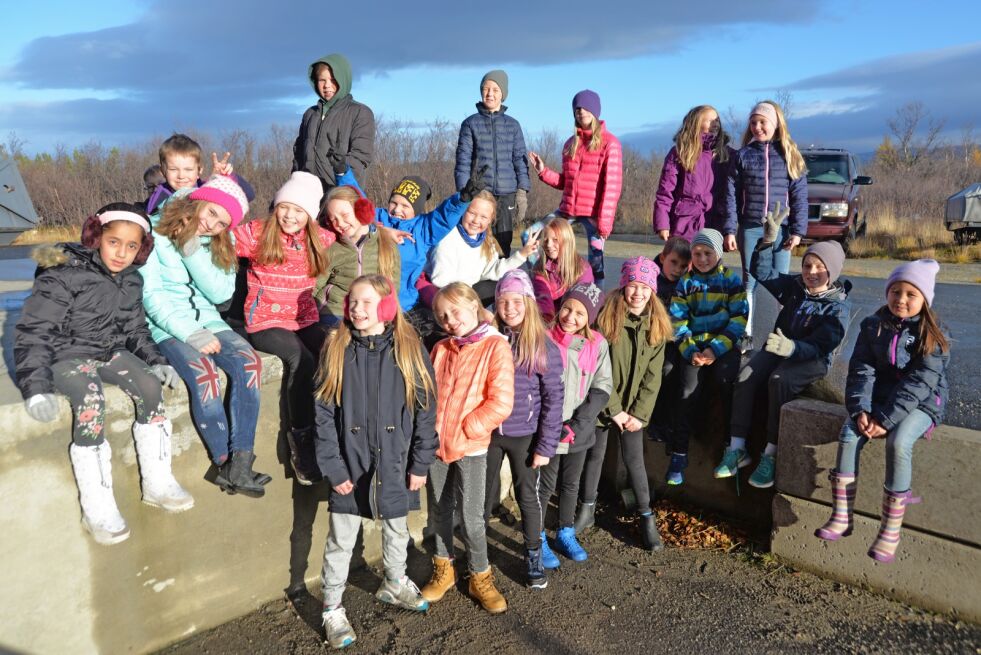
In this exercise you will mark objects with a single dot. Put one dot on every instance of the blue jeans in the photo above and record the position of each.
(747, 238)
(200, 373)
(899, 449)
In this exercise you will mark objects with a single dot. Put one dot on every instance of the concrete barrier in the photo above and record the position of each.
(938, 565)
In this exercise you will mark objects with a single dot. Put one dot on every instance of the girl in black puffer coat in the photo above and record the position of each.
(84, 325)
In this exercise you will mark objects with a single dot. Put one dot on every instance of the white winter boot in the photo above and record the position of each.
(93, 473)
(160, 489)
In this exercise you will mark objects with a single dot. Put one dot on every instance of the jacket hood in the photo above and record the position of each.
(839, 290)
(340, 67)
(50, 256)
(375, 341)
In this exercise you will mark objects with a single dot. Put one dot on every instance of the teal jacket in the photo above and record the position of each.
(180, 293)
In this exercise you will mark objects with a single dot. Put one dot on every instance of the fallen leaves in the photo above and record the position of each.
(682, 529)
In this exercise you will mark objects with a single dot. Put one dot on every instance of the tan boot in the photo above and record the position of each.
(483, 590)
(444, 577)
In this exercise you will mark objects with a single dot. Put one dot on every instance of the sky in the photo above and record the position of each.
(116, 72)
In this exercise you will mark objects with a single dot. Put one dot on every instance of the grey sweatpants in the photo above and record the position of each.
(341, 538)
(464, 482)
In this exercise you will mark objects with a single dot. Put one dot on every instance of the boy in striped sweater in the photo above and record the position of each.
(709, 312)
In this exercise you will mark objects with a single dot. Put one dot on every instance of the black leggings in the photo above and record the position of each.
(632, 454)
(692, 378)
(81, 380)
(300, 352)
(526, 483)
(566, 471)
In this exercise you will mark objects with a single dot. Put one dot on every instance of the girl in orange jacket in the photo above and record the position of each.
(475, 380)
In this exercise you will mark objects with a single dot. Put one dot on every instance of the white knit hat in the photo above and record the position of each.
(303, 190)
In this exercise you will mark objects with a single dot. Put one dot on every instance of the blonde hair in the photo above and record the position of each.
(784, 144)
(585, 331)
(569, 265)
(614, 312)
(388, 254)
(490, 249)
(595, 141)
(179, 223)
(529, 348)
(458, 293)
(688, 139)
(271, 246)
(407, 347)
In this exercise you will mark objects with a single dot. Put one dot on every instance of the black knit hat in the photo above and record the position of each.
(415, 190)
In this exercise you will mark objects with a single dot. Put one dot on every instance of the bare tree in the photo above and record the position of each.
(905, 125)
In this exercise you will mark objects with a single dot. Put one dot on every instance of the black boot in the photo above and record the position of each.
(302, 456)
(241, 478)
(218, 475)
(536, 572)
(585, 517)
(649, 534)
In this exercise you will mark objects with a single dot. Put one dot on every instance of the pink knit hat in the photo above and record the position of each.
(515, 281)
(225, 191)
(767, 111)
(639, 269)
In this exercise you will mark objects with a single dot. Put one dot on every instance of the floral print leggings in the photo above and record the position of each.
(81, 380)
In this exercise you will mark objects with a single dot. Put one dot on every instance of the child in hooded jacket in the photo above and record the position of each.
(708, 312)
(587, 381)
(559, 267)
(82, 326)
(475, 375)
(637, 328)
(286, 252)
(810, 327)
(591, 177)
(376, 439)
(685, 192)
(897, 391)
(530, 435)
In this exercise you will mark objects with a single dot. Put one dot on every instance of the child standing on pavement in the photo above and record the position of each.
(767, 169)
(491, 141)
(83, 325)
(708, 312)
(375, 441)
(588, 383)
(590, 179)
(475, 374)
(531, 433)
(560, 267)
(685, 191)
(637, 328)
(896, 391)
(810, 327)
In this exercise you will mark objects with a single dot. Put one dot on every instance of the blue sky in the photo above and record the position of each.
(118, 72)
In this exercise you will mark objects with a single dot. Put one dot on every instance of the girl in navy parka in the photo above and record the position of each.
(896, 389)
(767, 169)
(529, 436)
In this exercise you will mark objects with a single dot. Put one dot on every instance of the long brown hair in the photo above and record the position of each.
(931, 336)
(614, 313)
(569, 266)
(388, 253)
(688, 139)
(407, 348)
(271, 246)
(529, 349)
(595, 140)
(784, 144)
(179, 223)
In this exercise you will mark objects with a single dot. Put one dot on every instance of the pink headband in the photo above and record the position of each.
(122, 215)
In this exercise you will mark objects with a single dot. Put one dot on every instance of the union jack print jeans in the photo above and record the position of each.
(223, 432)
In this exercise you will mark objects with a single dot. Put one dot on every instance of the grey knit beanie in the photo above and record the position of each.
(500, 78)
(831, 254)
(709, 237)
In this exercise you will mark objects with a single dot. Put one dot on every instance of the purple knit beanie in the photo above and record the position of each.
(589, 295)
(515, 281)
(639, 269)
(588, 100)
(922, 274)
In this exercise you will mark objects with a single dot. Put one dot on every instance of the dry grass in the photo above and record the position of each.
(47, 234)
(891, 237)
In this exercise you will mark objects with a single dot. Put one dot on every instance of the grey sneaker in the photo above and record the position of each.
(339, 632)
(403, 594)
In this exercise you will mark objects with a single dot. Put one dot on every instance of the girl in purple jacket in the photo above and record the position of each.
(685, 193)
(530, 435)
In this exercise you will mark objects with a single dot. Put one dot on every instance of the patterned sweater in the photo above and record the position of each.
(708, 310)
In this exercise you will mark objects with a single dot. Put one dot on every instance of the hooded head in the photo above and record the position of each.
(340, 69)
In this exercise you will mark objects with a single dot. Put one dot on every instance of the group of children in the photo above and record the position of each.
(419, 351)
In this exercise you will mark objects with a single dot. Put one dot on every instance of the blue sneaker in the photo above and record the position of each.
(763, 475)
(549, 559)
(566, 545)
(676, 475)
(732, 461)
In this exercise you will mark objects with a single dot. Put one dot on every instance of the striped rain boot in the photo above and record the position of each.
(893, 509)
(843, 497)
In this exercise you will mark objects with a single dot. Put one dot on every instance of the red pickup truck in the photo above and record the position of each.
(834, 203)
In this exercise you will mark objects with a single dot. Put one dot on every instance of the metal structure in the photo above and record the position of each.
(16, 209)
(962, 215)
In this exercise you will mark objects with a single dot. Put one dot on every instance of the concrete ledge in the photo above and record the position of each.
(929, 571)
(944, 470)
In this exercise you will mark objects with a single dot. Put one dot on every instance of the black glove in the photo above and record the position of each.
(474, 185)
(337, 162)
